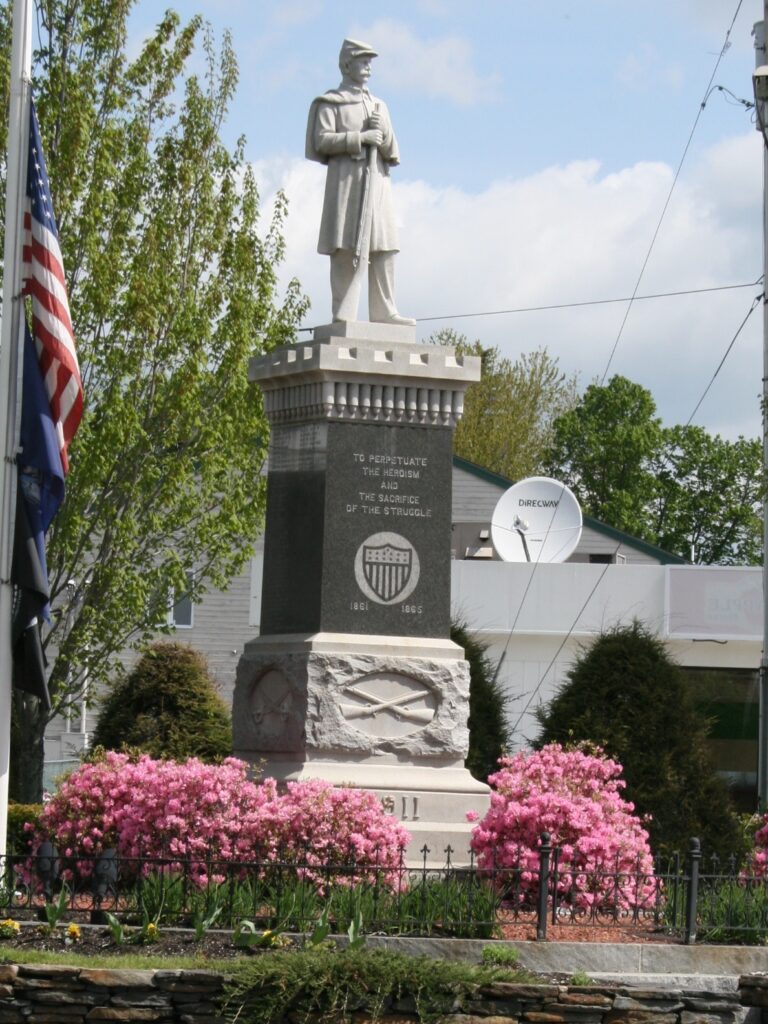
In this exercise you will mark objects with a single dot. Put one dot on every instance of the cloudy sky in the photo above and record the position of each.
(540, 140)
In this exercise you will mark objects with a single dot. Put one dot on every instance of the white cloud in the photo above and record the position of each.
(569, 234)
(441, 67)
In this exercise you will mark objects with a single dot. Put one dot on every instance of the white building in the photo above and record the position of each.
(535, 617)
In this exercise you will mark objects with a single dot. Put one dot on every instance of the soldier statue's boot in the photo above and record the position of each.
(401, 321)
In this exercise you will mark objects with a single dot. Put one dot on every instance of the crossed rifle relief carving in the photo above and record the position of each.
(396, 705)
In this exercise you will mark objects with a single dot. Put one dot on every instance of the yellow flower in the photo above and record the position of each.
(9, 928)
(73, 932)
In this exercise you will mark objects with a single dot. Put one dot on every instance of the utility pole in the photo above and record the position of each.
(760, 83)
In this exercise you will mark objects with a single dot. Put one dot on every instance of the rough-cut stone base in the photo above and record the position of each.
(381, 713)
(47, 992)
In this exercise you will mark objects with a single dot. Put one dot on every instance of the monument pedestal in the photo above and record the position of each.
(354, 678)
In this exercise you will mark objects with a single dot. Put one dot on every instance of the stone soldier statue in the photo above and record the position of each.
(350, 131)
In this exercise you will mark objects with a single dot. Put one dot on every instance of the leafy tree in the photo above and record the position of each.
(602, 449)
(167, 707)
(488, 726)
(678, 487)
(172, 288)
(509, 413)
(709, 495)
(627, 695)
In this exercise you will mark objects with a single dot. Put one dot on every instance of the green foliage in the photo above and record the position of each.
(488, 726)
(733, 911)
(462, 905)
(709, 495)
(678, 487)
(248, 936)
(501, 956)
(166, 707)
(325, 985)
(602, 448)
(56, 910)
(172, 283)
(581, 978)
(509, 413)
(18, 816)
(355, 931)
(626, 694)
(116, 928)
(203, 921)
(321, 928)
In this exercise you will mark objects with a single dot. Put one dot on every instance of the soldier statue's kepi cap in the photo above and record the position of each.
(354, 48)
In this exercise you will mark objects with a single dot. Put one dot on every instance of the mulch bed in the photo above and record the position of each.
(218, 945)
(215, 945)
(591, 933)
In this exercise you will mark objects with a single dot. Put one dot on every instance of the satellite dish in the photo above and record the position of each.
(536, 520)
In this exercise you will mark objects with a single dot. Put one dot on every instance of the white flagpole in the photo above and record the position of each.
(10, 362)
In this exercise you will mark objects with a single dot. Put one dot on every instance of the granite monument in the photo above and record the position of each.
(353, 677)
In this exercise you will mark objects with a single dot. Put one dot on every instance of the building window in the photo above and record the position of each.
(180, 613)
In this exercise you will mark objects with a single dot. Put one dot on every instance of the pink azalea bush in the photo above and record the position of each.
(201, 813)
(576, 797)
(758, 861)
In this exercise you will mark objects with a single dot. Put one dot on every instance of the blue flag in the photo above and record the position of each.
(40, 493)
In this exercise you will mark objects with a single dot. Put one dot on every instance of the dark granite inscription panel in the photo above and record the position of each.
(386, 561)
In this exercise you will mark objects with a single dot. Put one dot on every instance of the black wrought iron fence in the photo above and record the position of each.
(683, 896)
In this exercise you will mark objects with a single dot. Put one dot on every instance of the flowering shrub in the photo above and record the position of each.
(575, 797)
(201, 813)
(758, 861)
(318, 824)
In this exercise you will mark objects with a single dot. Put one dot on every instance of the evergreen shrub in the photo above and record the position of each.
(488, 727)
(19, 816)
(167, 707)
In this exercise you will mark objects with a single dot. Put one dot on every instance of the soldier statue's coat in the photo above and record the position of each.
(336, 120)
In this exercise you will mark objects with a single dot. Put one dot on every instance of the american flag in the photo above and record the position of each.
(43, 280)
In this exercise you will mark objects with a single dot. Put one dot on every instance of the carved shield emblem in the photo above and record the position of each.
(387, 569)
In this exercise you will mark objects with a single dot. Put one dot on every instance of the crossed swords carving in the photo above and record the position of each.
(396, 706)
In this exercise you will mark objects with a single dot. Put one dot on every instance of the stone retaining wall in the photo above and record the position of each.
(46, 994)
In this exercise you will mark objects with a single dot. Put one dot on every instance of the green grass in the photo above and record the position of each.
(146, 961)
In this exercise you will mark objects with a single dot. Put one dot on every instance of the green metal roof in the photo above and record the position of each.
(663, 557)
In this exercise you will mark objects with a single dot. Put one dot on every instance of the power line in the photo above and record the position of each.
(702, 105)
(564, 641)
(576, 305)
(528, 586)
(590, 302)
(755, 302)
